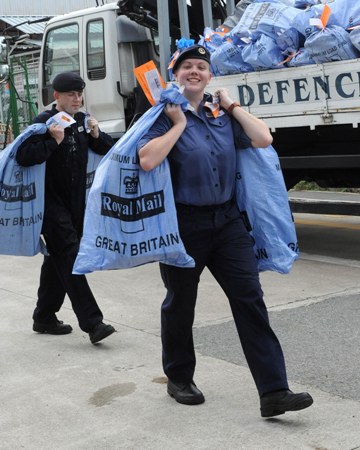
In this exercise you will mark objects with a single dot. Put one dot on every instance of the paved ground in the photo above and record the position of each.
(64, 393)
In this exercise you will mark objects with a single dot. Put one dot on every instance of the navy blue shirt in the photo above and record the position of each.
(202, 162)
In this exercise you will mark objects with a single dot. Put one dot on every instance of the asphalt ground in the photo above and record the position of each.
(61, 392)
(322, 349)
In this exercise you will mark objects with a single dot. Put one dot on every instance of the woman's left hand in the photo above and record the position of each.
(224, 98)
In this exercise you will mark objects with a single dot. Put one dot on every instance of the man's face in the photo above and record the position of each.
(69, 102)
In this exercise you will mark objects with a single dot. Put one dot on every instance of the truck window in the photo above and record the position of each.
(61, 54)
(95, 50)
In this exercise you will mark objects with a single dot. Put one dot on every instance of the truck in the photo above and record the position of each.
(313, 111)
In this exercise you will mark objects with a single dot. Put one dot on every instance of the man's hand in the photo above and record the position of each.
(57, 132)
(93, 124)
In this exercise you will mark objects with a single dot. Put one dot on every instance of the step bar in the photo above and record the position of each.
(325, 202)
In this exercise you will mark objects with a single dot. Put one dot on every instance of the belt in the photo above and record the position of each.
(204, 209)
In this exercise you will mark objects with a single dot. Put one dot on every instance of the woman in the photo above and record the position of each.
(200, 147)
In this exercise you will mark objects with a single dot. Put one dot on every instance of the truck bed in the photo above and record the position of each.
(310, 95)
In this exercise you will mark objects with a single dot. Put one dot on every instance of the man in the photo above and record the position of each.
(65, 151)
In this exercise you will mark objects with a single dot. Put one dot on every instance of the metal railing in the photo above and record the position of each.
(164, 27)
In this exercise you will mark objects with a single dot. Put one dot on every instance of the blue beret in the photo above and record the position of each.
(68, 81)
(193, 52)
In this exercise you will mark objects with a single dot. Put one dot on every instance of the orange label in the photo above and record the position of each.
(150, 80)
(214, 108)
(173, 59)
(289, 58)
(325, 15)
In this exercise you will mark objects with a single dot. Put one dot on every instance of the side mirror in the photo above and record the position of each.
(4, 72)
(48, 70)
(3, 52)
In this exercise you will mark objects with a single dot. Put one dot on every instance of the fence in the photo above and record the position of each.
(5, 135)
(19, 98)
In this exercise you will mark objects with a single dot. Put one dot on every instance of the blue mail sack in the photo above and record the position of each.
(262, 197)
(21, 200)
(22, 197)
(130, 217)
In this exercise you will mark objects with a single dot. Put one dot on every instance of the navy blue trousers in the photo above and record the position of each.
(56, 278)
(216, 238)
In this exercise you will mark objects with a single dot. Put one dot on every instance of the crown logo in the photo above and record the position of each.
(18, 175)
(131, 184)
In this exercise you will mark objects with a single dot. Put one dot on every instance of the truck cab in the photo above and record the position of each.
(103, 47)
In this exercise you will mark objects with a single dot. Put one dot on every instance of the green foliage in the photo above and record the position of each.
(313, 186)
(307, 186)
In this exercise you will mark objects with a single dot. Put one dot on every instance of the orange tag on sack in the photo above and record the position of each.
(325, 15)
(289, 58)
(173, 59)
(150, 80)
(321, 21)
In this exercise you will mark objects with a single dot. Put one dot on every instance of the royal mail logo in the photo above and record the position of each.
(132, 209)
(17, 193)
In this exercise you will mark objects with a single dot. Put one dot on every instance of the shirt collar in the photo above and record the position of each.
(207, 98)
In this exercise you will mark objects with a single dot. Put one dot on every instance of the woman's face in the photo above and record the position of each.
(194, 74)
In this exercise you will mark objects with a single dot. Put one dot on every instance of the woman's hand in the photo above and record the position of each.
(224, 98)
(256, 129)
(175, 113)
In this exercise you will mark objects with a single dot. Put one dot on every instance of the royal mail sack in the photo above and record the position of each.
(262, 197)
(22, 197)
(21, 200)
(130, 217)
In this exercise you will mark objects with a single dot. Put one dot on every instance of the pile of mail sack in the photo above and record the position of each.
(263, 35)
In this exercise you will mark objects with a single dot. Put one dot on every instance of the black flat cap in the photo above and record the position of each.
(193, 52)
(68, 81)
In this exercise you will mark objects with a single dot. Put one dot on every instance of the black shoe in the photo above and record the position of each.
(186, 393)
(278, 402)
(100, 332)
(58, 327)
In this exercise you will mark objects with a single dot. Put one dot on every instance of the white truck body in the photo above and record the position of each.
(310, 96)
